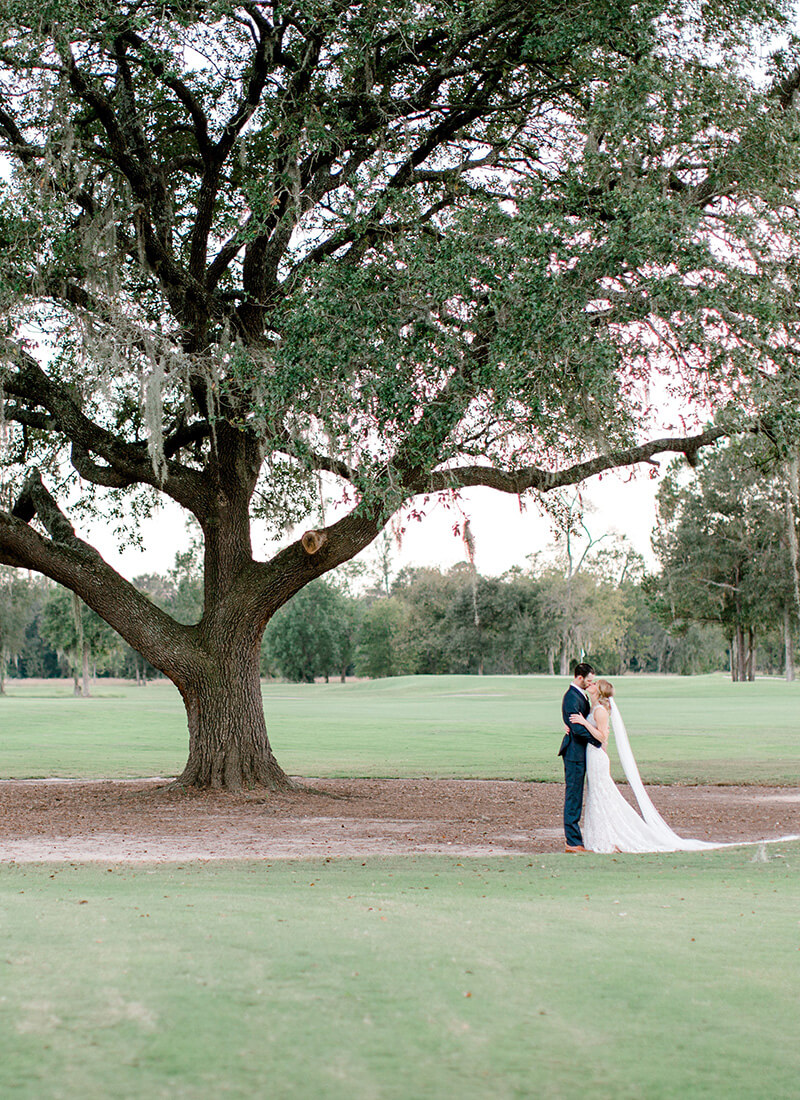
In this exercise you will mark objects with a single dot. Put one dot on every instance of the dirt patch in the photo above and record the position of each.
(143, 820)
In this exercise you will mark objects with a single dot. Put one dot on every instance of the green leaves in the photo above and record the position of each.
(723, 539)
(382, 239)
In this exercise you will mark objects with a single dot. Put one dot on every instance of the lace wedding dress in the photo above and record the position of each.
(610, 824)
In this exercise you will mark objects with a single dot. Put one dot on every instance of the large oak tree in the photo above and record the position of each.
(409, 247)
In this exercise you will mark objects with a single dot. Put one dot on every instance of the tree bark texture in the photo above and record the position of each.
(228, 744)
(743, 654)
(737, 649)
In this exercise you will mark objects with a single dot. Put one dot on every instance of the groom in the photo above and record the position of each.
(573, 750)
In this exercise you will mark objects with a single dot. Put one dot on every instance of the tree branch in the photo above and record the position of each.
(151, 217)
(129, 462)
(534, 477)
(95, 473)
(36, 500)
(69, 561)
(181, 90)
(22, 148)
(295, 566)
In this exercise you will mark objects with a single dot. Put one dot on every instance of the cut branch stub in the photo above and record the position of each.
(33, 500)
(313, 541)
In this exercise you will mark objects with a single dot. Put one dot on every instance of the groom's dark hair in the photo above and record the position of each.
(583, 669)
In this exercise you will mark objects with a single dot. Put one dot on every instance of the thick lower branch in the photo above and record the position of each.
(36, 500)
(534, 477)
(267, 586)
(167, 645)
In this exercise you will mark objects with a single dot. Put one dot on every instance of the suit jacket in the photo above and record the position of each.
(573, 747)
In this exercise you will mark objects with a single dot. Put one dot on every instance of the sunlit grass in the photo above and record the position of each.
(406, 979)
(658, 977)
(700, 729)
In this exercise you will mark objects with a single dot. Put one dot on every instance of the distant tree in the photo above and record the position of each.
(346, 627)
(78, 634)
(460, 622)
(697, 648)
(516, 625)
(20, 600)
(37, 657)
(724, 551)
(450, 619)
(383, 639)
(791, 512)
(313, 635)
(581, 615)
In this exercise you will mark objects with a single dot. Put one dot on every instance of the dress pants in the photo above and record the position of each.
(574, 775)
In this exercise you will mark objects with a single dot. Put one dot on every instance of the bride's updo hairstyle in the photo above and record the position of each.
(605, 693)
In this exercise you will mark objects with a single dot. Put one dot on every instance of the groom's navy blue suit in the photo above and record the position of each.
(573, 749)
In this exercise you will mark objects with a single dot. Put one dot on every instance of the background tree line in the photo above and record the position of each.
(727, 596)
(435, 622)
(430, 622)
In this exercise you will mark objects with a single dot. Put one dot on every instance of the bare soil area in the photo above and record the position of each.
(144, 820)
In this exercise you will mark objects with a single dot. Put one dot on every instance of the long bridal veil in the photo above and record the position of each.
(664, 834)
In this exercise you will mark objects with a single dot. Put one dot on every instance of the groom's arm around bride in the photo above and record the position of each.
(576, 701)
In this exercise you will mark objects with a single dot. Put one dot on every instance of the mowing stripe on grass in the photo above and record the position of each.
(636, 976)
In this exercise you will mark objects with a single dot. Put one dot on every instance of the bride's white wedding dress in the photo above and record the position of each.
(610, 824)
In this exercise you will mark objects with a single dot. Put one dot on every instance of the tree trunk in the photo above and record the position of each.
(792, 505)
(788, 643)
(215, 663)
(737, 654)
(751, 654)
(228, 743)
(551, 667)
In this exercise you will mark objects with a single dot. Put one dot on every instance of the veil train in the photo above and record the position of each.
(665, 835)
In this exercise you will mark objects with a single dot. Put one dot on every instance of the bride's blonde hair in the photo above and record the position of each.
(606, 692)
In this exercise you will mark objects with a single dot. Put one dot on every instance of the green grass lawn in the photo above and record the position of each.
(404, 979)
(698, 729)
(555, 977)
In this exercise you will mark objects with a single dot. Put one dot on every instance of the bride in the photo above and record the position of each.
(610, 823)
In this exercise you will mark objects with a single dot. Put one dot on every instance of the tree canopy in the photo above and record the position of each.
(408, 247)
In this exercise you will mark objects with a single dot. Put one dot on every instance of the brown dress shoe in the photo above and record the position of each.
(574, 848)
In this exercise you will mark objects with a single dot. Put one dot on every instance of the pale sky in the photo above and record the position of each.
(617, 504)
